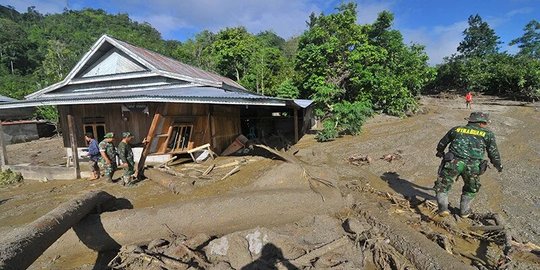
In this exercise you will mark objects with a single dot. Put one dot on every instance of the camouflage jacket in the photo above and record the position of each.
(109, 150)
(470, 143)
(125, 153)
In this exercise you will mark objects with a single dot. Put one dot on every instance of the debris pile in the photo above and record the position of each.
(317, 242)
(456, 235)
(360, 160)
(392, 157)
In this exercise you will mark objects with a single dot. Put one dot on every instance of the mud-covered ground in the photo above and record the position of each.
(514, 193)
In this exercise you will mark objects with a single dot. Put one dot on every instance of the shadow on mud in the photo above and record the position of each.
(2, 201)
(405, 187)
(97, 237)
(270, 257)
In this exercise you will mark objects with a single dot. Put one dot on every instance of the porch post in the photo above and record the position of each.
(3, 152)
(73, 142)
(296, 135)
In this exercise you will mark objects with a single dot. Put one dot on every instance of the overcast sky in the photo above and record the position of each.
(437, 24)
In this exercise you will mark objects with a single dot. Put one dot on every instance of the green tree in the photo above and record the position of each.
(232, 49)
(344, 67)
(286, 89)
(57, 63)
(16, 51)
(197, 51)
(479, 39)
(529, 43)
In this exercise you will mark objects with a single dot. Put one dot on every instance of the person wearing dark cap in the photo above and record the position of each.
(108, 156)
(93, 155)
(465, 158)
(125, 153)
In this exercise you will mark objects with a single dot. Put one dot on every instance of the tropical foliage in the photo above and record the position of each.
(480, 66)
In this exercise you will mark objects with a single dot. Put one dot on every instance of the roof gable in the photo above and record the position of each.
(111, 59)
(113, 62)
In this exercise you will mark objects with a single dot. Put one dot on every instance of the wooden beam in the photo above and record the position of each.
(158, 117)
(296, 135)
(3, 151)
(213, 141)
(73, 142)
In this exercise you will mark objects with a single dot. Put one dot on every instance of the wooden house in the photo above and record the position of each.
(119, 87)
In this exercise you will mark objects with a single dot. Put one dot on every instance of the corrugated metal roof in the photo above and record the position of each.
(303, 103)
(6, 99)
(208, 95)
(171, 65)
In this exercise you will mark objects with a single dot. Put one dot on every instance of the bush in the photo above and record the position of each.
(346, 118)
(328, 133)
(9, 177)
(47, 113)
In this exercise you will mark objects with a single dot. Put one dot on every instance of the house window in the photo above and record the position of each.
(96, 126)
(179, 138)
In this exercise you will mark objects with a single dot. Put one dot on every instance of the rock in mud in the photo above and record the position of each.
(197, 241)
(355, 226)
(244, 248)
(319, 230)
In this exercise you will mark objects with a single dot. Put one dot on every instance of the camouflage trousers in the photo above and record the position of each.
(129, 170)
(108, 169)
(469, 170)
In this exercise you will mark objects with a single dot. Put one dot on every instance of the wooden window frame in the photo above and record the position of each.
(94, 129)
(176, 148)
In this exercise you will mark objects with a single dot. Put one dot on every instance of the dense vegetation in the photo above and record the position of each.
(349, 70)
(480, 66)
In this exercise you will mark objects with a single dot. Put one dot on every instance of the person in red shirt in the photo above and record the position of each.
(468, 100)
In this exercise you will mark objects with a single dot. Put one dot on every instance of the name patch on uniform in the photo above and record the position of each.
(471, 131)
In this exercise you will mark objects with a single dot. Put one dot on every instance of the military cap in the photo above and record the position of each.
(126, 134)
(109, 135)
(478, 117)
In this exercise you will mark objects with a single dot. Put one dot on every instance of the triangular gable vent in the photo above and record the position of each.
(112, 62)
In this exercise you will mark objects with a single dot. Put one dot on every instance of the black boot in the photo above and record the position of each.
(465, 206)
(442, 202)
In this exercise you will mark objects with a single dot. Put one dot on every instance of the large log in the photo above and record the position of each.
(22, 246)
(417, 248)
(213, 216)
(165, 180)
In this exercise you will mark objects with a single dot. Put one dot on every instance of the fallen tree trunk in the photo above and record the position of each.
(213, 216)
(165, 180)
(22, 246)
(419, 250)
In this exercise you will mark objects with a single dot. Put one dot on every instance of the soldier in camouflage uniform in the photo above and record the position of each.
(108, 156)
(126, 156)
(465, 158)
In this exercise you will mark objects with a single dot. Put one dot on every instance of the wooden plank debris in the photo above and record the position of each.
(149, 139)
(233, 171)
(209, 169)
(283, 156)
(206, 147)
(305, 260)
(167, 162)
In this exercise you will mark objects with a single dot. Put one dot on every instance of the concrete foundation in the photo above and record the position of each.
(46, 173)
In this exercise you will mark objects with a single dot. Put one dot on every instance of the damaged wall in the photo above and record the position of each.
(215, 124)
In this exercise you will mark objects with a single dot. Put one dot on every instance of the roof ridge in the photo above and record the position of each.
(212, 74)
